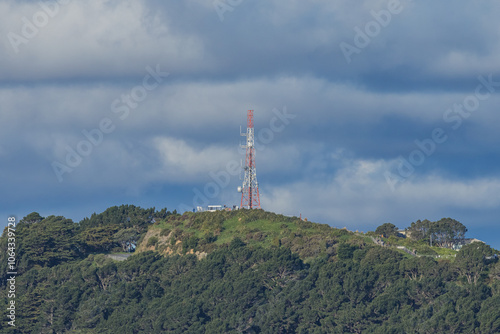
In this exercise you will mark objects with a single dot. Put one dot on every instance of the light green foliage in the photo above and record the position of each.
(207, 231)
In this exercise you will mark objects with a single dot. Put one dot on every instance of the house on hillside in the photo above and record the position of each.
(404, 234)
(465, 241)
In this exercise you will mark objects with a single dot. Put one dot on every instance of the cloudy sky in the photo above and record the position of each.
(366, 112)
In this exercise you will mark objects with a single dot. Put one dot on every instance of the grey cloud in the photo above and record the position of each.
(424, 45)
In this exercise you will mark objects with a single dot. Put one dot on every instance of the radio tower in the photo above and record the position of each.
(250, 198)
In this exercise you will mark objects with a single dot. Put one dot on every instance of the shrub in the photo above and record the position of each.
(165, 232)
(152, 241)
(190, 243)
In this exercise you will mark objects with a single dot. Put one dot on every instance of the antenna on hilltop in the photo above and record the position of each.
(250, 198)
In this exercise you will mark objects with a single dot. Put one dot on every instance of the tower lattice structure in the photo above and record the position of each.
(250, 198)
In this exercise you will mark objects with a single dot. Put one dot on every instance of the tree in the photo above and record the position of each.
(345, 251)
(124, 216)
(236, 243)
(127, 238)
(386, 230)
(419, 230)
(33, 217)
(240, 288)
(162, 214)
(49, 242)
(416, 268)
(495, 271)
(472, 260)
(489, 315)
(99, 238)
(445, 232)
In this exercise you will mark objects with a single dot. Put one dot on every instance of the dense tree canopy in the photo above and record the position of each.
(244, 285)
(240, 289)
(127, 238)
(33, 217)
(386, 230)
(472, 260)
(45, 243)
(125, 216)
(443, 233)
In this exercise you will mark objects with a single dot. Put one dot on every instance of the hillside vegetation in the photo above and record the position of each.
(246, 271)
(204, 232)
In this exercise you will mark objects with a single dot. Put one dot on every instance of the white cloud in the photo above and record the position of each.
(184, 163)
(103, 40)
(93, 39)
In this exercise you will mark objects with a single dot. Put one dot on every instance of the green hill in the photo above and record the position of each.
(203, 232)
(245, 271)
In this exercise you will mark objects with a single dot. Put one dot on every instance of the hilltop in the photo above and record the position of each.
(203, 232)
(246, 271)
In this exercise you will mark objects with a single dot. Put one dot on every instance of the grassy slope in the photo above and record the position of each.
(204, 232)
(422, 248)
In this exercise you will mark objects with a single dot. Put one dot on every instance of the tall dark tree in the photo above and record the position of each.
(495, 271)
(33, 217)
(100, 238)
(47, 243)
(124, 216)
(472, 259)
(445, 232)
(419, 230)
(387, 230)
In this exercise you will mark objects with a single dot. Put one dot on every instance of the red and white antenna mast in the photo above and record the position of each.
(250, 198)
